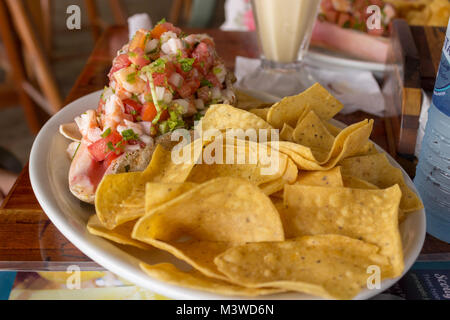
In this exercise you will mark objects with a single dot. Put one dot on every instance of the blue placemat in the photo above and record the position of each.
(6, 283)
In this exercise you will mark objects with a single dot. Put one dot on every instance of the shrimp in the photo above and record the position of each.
(114, 112)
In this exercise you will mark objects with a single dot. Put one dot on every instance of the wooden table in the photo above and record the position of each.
(29, 241)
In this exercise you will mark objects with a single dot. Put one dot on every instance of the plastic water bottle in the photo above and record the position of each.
(433, 170)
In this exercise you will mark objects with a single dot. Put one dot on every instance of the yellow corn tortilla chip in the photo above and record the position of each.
(289, 176)
(377, 170)
(312, 133)
(157, 193)
(356, 183)
(199, 254)
(223, 116)
(121, 197)
(262, 113)
(289, 109)
(223, 209)
(247, 163)
(286, 133)
(195, 280)
(332, 128)
(329, 266)
(120, 234)
(346, 144)
(329, 178)
(246, 101)
(368, 215)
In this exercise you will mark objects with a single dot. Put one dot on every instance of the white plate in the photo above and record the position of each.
(49, 168)
(323, 58)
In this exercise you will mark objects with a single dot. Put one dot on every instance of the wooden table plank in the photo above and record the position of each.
(29, 241)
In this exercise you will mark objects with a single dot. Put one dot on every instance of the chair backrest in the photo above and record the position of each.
(201, 14)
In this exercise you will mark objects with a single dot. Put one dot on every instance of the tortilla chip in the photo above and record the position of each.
(262, 113)
(245, 101)
(346, 144)
(368, 215)
(286, 133)
(120, 234)
(329, 266)
(121, 197)
(195, 280)
(332, 128)
(289, 176)
(312, 133)
(157, 193)
(223, 209)
(248, 162)
(199, 254)
(377, 170)
(289, 109)
(329, 178)
(223, 116)
(356, 183)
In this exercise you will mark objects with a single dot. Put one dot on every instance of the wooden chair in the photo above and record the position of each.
(97, 24)
(28, 53)
(195, 13)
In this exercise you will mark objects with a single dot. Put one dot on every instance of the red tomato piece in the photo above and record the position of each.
(203, 58)
(109, 159)
(138, 57)
(148, 112)
(99, 150)
(211, 77)
(132, 108)
(185, 90)
(159, 79)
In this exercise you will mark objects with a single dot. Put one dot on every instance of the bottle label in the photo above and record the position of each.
(441, 94)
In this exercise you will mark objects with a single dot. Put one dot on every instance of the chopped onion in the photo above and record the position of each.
(183, 103)
(132, 147)
(146, 126)
(199, 104)
(176, 79)
(167, 97)
(160, 93)
(146, 139)
(151, 45)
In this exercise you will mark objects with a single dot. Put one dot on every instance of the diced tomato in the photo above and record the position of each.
(109, 159)
(138, 57)
(122, 61)
(159, 79)
(132, 108)
(211, 77)
(194, 84)
(164, 115)
(203, 58)
(158, 30)
(148, 112)
(184, 91)
(99, 149)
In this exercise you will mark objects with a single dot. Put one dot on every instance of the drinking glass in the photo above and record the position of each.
(284, 30)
